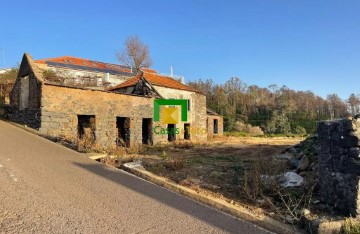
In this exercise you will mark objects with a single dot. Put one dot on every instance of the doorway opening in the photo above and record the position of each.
(123, 131)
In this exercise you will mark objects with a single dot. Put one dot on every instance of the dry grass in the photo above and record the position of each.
(261, 140)
(228, 167)
(351, 226)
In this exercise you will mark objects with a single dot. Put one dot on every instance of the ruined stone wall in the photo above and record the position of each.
(339, 164)
(62, 105)
(210, 125)
(30, 114)
(196, 116)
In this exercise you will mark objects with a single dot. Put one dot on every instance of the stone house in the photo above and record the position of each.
(121, 115)
(149, 83)
(214, 124)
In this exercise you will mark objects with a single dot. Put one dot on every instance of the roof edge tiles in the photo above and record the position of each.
(157, 80)
(86, 64)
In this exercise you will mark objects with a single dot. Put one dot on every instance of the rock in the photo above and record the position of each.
(294, 162)
(260, 201)
(304, 163)
(314, 166)
(286, 156)
(299, 156)
(303, 173)
(315, 202)
(291, 179)
(292, 150)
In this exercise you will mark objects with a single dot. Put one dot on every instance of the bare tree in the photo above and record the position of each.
(135, 53)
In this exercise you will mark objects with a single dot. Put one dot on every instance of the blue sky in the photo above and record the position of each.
(304, 44)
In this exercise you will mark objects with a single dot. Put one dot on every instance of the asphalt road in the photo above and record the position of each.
(47, 188)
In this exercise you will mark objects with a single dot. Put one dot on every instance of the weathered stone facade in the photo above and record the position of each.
(61, 107)
(196, 113)
(339, 165)
(111, 118)
(215, 125)
(26, 112)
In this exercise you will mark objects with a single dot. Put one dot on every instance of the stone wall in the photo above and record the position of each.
(196, 114)
(55, 110)
(62, 105)
(339, 165)
(30, 114)
(210, 125)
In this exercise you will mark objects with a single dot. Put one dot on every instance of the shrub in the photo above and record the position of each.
(351, 226)
(247, 128)
(155, 167)
(278, 124)
(298, 130)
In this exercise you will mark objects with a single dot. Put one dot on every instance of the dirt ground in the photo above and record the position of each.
(217, 167)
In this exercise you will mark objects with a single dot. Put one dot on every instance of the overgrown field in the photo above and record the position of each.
(234, 169)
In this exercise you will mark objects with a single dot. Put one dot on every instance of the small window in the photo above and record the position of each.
(171, 132)
(188, 105)
(147, 131)
(187, 131)
(216, 126)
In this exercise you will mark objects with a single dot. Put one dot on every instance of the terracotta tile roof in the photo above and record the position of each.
(85, 64)
(155, 79)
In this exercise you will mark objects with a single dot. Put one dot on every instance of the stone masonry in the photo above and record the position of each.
(31, 114)
(196, 114)
(61, 107)
(109, 118)
(339, 164)
(211, 131)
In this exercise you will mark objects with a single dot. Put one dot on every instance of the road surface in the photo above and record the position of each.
(47, 188)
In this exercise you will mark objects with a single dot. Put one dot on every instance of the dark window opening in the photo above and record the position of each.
(86, 127)
(147, 131)
(171, 132)
(187, 131)
(216, 126)
(188, 105)
(123, 131)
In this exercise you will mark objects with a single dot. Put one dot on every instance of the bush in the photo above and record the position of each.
(351, 226)
(278, 124)
(247, 128)
(229, 123)
(298, 130)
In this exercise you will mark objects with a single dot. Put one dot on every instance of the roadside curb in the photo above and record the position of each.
(263, 221)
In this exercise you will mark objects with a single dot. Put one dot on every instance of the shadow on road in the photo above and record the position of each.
(185, 205)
